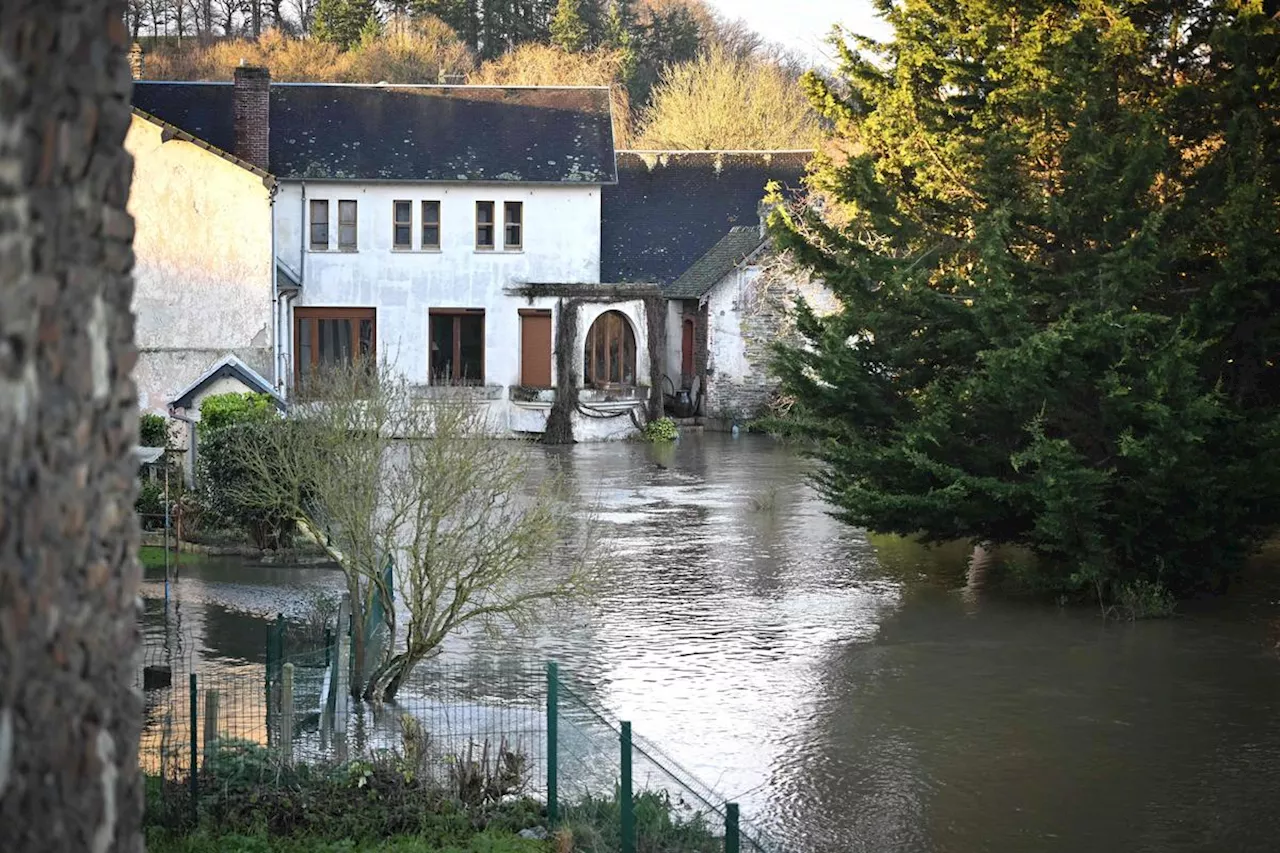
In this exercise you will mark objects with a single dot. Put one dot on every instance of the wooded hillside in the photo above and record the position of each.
(683, 76)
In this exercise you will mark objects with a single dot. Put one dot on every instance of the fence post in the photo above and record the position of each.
(342, 688)
(210, 722)
(626, 801)
(553, 743)
(286, 713)
(195, 778)
(732, 835)
(270, 666)
(279, 626)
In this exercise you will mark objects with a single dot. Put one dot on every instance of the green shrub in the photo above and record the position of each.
(150, 504)
(1144, 599)
(153, 430)
(663, 429)
(223, 476)
(224, 410)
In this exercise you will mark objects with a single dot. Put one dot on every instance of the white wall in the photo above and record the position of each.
(561, 245)
(726, 347)
(202, 280)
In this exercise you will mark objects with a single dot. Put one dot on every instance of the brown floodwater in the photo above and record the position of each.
(862, 693)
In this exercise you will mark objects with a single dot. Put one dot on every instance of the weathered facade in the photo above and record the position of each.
(476, 236)
(441, 230)
(691, 222)
(204, 270)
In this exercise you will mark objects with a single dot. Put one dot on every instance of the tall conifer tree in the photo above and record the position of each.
(1055, 238)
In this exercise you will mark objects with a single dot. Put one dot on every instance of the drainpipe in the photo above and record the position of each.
(275, 301)
(191, 443)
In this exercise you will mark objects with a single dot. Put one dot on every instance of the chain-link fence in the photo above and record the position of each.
(283, 746)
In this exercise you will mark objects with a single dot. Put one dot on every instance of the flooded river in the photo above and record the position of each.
(856, 694)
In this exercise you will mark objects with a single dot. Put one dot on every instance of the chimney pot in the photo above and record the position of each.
(252, 97)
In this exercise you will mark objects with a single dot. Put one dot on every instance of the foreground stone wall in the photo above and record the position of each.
(69, 715)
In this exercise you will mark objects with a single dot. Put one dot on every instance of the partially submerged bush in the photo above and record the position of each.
(663, 429)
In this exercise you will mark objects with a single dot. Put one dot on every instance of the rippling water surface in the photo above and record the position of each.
(857, 694)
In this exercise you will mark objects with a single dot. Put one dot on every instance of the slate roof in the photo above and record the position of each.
(669, 209)
(718, 262)
(529, 134)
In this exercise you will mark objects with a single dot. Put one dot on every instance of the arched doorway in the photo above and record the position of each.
(609, 359)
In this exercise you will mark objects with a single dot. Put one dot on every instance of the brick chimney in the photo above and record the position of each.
(253, 114)
(137, 62)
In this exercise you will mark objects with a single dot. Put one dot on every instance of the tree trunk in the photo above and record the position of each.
(69, 716)
(559, 428)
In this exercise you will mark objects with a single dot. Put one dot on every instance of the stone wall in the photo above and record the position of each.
(69, 713)
(750, 310)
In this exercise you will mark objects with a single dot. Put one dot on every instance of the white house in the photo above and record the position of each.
(467, 235)
(445, 230)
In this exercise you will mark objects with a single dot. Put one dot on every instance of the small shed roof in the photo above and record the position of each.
(720, 260)
(229, 367)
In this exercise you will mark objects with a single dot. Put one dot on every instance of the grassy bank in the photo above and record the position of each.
(152, 557)
(483, 842)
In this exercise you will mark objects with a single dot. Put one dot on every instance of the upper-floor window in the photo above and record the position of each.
(347, 225)
(319, 225)
(513, 230)
(431, 225)
(402, 226)
(484, 225)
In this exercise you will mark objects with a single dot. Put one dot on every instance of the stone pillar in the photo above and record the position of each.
(253, 115)
(69, 712)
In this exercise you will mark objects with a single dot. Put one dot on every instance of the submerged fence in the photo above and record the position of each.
(284, 740)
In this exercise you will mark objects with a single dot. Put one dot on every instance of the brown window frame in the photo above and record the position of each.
(354, 245)
(430, 246)
(457, 314)
(591, 347)
(397, 224)
(508, 224)
(318, 203)
(491, 224)
(304, 314)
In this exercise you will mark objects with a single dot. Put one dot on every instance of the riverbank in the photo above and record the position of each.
(483, 842)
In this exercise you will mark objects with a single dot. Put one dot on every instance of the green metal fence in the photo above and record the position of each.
(484, 732)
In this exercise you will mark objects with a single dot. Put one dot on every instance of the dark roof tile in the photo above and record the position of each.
(718, 262)
(668, 209)
(419, 133)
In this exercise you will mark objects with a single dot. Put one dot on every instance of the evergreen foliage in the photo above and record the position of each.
(568, 29)
(341, 22)
(1052, 229)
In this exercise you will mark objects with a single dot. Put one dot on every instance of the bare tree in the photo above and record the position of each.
(69, 716)
(255, 17)
(374, 471)
(306, 10)
(225, 12)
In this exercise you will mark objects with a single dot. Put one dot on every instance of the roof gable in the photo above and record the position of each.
(525, 134)
(670, 208)
(229, 367)
(720, 260)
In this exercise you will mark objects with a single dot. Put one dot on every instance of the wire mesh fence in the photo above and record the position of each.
(283, 743)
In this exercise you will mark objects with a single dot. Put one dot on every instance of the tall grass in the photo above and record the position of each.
(533, 64)
(418, 51)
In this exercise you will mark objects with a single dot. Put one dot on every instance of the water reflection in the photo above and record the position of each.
(866, 694)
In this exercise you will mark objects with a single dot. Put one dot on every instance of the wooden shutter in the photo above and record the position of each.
(535, 348)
